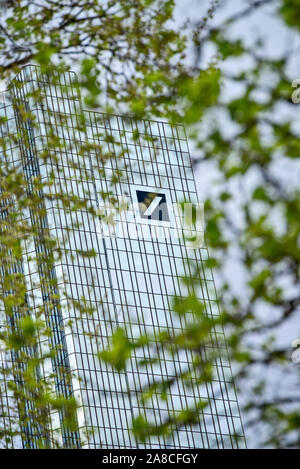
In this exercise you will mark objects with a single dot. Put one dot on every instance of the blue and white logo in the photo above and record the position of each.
(153, 206)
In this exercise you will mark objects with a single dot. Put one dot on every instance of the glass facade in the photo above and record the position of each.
(132, 277)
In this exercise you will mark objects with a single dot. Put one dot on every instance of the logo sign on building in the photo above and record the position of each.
(152, 206)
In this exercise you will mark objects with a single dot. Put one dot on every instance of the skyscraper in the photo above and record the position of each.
(131, 278)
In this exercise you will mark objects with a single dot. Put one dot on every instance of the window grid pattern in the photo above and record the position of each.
(131, 281)
(9, 411)
(146, 275)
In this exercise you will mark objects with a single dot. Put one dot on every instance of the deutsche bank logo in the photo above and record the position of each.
(152, 206)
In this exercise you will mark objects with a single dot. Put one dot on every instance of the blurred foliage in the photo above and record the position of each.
(131, 58)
